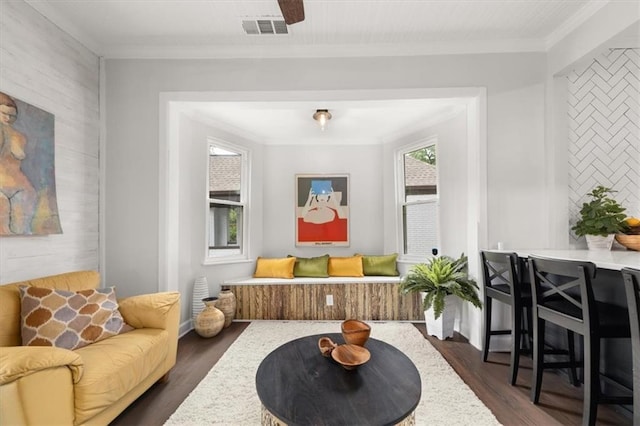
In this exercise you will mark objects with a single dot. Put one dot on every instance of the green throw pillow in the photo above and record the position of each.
(380, 265)
(313, 267)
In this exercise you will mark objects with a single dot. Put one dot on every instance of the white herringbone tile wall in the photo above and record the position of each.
(604, 130)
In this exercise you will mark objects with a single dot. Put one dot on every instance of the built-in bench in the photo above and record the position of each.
(366, 298)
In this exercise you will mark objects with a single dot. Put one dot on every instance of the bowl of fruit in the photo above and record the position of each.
(631, 236)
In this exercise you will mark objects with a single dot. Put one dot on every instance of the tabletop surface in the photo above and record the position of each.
(607, 259)
(301, 387)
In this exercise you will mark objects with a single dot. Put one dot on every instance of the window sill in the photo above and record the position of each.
(225, 261)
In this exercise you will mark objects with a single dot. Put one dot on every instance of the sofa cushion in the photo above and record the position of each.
(114, 366)
(315, 267)
(346, 266)
(69, 319)
(380, 265)
(274, 267)
(10, 323)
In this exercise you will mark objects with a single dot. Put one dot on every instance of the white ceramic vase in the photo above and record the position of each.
(442, 327)
(200, 291)
(598, 242)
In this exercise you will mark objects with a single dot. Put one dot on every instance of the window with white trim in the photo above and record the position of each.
(418, 200)
(227, 194)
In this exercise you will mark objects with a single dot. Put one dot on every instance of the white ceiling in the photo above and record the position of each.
(352, 122)
(212, 29)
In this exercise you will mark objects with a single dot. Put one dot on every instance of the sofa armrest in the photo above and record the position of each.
(21, 361)
(150, 310)
(36, 385)
(156, 310)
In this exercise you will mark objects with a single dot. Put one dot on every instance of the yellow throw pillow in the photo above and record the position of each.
(275, 267)
(346, 266)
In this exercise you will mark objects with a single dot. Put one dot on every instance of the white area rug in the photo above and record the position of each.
(227, 395)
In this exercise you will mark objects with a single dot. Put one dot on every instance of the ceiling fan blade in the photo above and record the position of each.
(292, 11)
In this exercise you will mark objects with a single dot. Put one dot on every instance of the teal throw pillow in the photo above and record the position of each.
(380, 265)
(312, 267)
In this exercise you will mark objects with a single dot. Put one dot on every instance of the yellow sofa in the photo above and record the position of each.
(41, 385)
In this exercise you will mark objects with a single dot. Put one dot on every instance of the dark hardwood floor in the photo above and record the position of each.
(560, 403)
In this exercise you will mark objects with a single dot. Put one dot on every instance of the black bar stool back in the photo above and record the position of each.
(502, 283)
(562, 294)
(632, 287)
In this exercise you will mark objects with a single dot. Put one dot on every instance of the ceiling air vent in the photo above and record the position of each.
(264, 26)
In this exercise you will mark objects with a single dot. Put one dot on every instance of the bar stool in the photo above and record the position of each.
(562, 295)
(502, 283)
(502, 273)
(632, 287)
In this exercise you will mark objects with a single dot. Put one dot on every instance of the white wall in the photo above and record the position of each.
(133, 88)
(517, 171)
(363, 164)
(615, 25)
(594, 36)
(45, 67)
(193, 190)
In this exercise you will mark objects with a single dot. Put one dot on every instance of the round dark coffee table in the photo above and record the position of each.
(298, 386)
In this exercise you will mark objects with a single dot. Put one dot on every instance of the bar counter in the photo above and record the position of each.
(605, 259)
(608, 285)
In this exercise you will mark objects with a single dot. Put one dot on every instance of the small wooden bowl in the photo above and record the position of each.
(326, 346)
(355, 332)
(632, 242)
(350, 356)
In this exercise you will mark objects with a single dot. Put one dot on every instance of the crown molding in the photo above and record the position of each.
(574, 21)
(321, 51)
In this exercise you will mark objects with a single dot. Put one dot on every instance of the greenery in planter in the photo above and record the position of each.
(602, 215)
(438, 278)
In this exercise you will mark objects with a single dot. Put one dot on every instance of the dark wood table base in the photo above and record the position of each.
(269, 419)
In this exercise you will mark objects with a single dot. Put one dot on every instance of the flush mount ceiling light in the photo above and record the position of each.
(322, 116)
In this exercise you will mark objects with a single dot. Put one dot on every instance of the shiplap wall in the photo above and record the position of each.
(44, 66)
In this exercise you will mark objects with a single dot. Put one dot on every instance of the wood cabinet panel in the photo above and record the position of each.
(366, 301)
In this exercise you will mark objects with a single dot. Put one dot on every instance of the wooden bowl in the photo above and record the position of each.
(350, 356)
(326, 346)
(355, 332)
(632, 242)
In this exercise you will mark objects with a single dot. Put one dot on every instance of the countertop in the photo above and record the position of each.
(613, 259)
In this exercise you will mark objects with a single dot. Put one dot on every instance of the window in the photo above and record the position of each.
(226, 205)
(418, 200)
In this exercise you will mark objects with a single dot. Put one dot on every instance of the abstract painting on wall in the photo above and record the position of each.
(322, 210)
(28, 204)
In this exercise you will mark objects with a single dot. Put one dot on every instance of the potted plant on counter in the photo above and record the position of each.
(600, 219)
(443, 282)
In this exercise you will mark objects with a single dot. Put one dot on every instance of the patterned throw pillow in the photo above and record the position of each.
(69, 319)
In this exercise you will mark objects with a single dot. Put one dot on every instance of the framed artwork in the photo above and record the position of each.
(28, 204)
(322, 210)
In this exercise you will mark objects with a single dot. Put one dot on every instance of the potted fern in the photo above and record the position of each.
(600, 219)
(443, 282)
